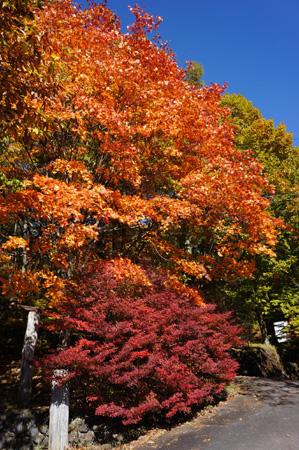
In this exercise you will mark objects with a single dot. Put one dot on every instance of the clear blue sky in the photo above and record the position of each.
(253, 45)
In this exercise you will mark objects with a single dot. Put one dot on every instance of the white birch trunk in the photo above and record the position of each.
(59, 414)
(30, 341)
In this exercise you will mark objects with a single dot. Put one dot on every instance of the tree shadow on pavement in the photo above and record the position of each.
(272, 392)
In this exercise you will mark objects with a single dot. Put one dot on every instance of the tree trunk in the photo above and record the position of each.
(30, 341)
(263, 328)
(59, 414)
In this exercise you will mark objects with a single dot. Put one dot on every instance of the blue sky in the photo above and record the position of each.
(253, 45)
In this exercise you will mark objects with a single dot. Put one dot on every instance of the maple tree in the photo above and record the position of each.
(133, 163)
(19, 58)
(25, 85)
(135, 149)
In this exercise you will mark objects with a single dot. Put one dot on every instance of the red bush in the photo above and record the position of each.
(156, 352)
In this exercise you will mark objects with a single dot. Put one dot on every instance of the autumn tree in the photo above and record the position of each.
(137, 156)
(25, 83)
(135, 163)
(20, 56)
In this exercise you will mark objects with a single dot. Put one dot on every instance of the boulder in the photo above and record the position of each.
(259, 360)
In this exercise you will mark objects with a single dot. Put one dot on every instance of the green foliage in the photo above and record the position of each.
(273, 292)
(194, 74)
(11, 185)
(273, 146)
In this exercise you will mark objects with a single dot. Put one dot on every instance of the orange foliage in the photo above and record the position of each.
(136, 164)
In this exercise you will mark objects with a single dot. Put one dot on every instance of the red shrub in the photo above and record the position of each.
(156, 352)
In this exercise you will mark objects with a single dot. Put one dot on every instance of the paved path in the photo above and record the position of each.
(263, 416)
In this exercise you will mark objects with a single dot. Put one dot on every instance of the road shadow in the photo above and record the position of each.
(271, 392)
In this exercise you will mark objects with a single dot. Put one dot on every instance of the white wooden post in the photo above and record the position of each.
(30, 341)
(59, 414)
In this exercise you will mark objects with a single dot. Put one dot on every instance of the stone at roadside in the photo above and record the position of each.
(259, 361)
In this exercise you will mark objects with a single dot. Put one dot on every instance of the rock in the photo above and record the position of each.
(26, 413)
(73, 437)
(30, 424)
(26, 440)
(43, 429)
(20, 427)
(120, 438)
(45, 442)
(33, 432)
(86, 438)
(76, 423)
(83, 428)
(9, 435)
(106, 447)
(79, 433)
(38, 439)
(260, 360)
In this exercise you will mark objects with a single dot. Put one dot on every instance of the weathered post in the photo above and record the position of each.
(59, 413)
(30, 341)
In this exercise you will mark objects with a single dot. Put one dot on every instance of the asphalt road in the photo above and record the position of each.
(263, 416)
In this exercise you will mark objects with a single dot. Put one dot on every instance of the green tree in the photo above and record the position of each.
(194, 74)
(273, 292)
